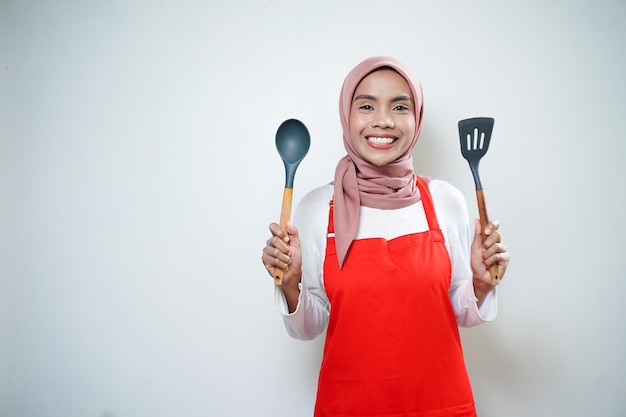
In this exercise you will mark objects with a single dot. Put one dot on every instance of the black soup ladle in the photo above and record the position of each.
(293, 142)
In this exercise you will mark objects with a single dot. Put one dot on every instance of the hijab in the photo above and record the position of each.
(358, 182)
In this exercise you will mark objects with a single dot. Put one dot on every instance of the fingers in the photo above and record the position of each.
(277, 250)
(491, 233)
(489, 249)
(275, 255)
(492, 226)
(277, 231)
(495, 252)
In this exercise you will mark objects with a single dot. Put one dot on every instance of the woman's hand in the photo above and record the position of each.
(486, 253)
(282, 251)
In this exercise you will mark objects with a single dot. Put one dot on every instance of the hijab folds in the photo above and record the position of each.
(358, 182)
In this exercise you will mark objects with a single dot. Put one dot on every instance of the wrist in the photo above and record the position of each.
(291, 289)
(481, 289)
(292, 295)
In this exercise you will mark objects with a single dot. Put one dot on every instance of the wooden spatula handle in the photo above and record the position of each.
(285, 216)
(484, 220)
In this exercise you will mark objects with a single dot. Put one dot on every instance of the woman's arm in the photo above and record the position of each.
(453, 217)
(310, 316)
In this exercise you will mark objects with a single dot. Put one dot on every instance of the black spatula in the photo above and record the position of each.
(475, 135)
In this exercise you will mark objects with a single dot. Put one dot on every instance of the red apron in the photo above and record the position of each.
(392, 345)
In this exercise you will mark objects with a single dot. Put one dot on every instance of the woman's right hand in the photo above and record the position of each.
(282, 251)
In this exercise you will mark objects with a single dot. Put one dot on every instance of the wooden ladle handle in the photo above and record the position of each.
(484, 220)
(285, 216)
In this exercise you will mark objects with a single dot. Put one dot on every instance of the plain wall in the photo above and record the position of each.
(138, 176)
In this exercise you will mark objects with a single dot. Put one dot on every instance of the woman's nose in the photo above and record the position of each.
(383, 120)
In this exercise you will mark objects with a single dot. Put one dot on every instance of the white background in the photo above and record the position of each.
(138, 175)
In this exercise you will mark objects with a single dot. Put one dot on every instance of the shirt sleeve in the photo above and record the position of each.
(311, 315)
(453, 217)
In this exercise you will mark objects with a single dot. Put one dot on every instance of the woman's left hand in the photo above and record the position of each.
(486, 253)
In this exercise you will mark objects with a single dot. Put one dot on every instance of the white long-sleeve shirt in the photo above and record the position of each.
(311, 218)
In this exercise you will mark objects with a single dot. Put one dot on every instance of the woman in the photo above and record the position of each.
(386, 261)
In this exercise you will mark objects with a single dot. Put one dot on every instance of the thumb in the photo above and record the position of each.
(294, 236)
(478, 237)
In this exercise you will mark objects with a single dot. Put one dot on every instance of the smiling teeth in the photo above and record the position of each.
(380, 141)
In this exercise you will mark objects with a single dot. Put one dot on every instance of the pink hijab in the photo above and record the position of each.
(358, 182)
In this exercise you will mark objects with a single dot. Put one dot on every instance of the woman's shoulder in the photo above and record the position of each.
(311, 215)
(447, 197)
(315, 202)
(317, 196)
(442, 189)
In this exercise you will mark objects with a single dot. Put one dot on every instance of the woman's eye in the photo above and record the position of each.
(366, 107)
(401, 107)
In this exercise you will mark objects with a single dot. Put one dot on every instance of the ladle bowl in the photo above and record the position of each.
(293, 142)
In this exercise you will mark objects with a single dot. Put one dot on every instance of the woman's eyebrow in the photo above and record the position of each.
(403, 98)
(364, 97)
(373, 98)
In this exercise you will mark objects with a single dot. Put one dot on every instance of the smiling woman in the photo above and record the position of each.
(382, 118)
(386, 262)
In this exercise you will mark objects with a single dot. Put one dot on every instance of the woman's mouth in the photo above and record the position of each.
(380, 140)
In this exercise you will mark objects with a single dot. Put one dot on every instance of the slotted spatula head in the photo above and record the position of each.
(475, 134)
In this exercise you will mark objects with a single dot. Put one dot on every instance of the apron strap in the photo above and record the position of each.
(427, 202)
(330, 230)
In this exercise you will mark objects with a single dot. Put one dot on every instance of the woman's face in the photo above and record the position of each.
(382, 117)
